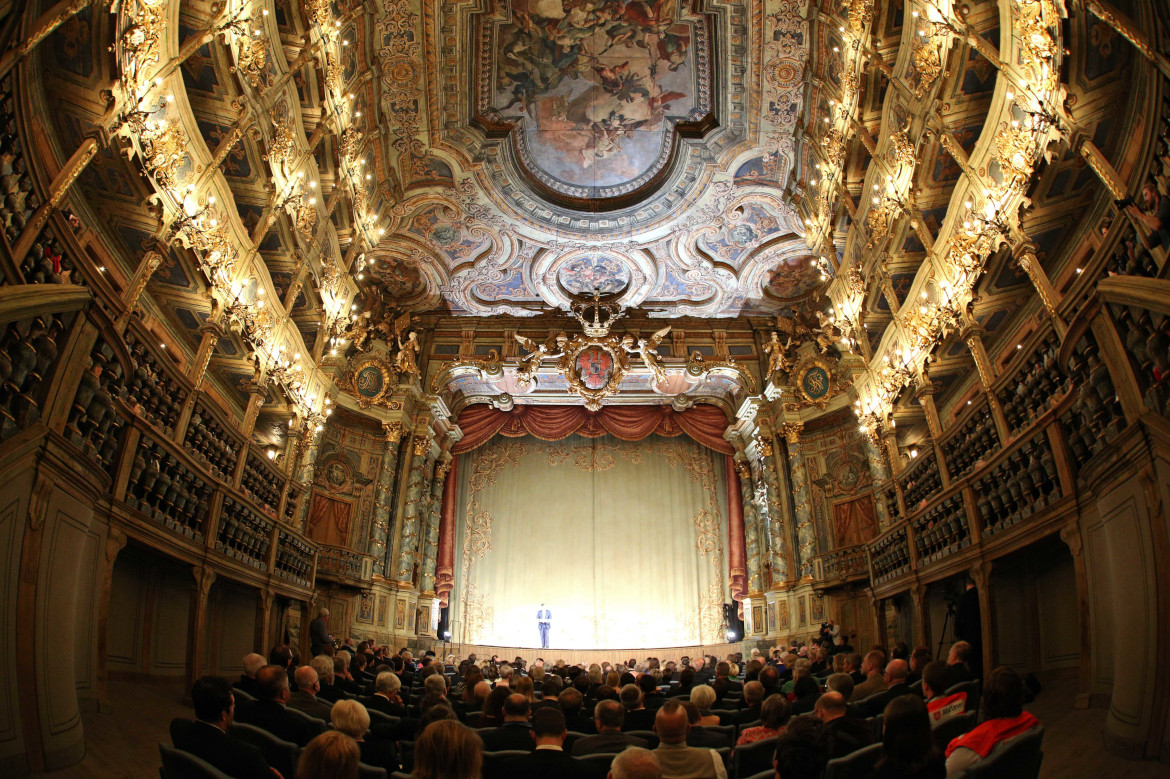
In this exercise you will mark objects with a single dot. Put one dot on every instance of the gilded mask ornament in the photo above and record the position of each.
(877, 219)
(1016, 154)
(901, 149)
(252, 62)
(163, 143)
(834, 145)
(928, 66)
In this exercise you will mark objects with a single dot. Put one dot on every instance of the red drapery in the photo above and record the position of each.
(445, 572)
(704, 423)
(736, 545)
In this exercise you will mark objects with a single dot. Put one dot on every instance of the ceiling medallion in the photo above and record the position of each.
(815, 383)
(371, 380)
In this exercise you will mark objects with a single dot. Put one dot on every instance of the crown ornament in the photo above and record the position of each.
(596, 316)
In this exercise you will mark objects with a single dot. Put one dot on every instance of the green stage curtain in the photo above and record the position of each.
(625, 541)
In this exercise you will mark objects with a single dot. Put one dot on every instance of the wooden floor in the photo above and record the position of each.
(122, 741)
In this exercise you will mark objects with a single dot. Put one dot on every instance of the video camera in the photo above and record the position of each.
(1125, 202)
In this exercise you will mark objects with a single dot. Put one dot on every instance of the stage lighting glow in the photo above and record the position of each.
(447, 635)
(731, 635)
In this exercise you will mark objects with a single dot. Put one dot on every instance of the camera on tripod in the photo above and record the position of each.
(1125, 202)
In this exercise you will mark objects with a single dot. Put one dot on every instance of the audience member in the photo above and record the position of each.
(515, 732)
(918, 660)
(896, 671)
(377, 749)
(305, 698)
(908, 750)
(676, 758)
(753, 699)
(331, 755)
(548, 758)
(447, 749)
(269, 712)
(576, 719)
(873, 667)
(934, 682)
(1004, 717)
(699, 736)
(637, 716)
(207, 737)
(493, 707)
(774, 716)
(958, 664)
(703, 696)
(635, 763)
(652, 697)
(845, 733)
(387, 697)
(852, 666)
(804, 695)
(608, 717)
(803, 751)
(252, 663)
(327, 690)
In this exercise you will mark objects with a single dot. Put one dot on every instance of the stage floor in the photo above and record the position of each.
(588, 656)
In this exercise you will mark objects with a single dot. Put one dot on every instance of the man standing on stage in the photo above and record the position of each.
(543, 620)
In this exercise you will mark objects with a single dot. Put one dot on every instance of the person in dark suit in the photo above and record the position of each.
(637, 716)
(328, 692)
(269, 712)
(608, 717)
(652, 699)
(958, 664)
(515, 733)
(723, 683)
(247, 682)
(207, 737)
(572, 703)
(846, 734)
(342, 679)
(699, 736)
(896, 672)
(548, 758)
(319, 637)
(753, 699)
(853, 668)
(387, 697)
(305, 698)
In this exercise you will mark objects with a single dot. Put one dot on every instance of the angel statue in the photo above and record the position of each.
(646, 349)
(553, 348)
(778, 362)
(407, 359)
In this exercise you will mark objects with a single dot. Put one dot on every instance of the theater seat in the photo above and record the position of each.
(280, 754)
(949, 729)
(177, 764)
(493, 762)
(649, 736)
(1016, 758)
(854, 765)
(598, 764)
(752, 758)
(972, 688)
(371, 772)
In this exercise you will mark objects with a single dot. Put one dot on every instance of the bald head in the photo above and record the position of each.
(253, 663)
(516, 708)
(635, 763)
(896, 672)
(753, 693)
(482, 690)
(306, 678)
(830, 706)
(671, 723)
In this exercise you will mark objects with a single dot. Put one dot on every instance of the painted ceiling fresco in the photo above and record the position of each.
(641, 149)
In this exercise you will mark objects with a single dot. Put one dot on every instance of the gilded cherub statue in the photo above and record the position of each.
(646, 349)
(551, 349)
(779, 364)
(407, 359)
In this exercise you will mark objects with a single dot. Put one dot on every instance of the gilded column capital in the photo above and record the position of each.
(394, 431)
(792, 432)
(421, 444)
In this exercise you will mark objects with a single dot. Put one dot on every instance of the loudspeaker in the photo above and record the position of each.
(731, 619)
(444, 621)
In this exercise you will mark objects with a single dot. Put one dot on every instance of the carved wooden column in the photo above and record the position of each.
(981, 575)
(115, 541)
(257, 394)
(778, 518)
(1048, 294)
(430, 539)
(925, 395)
(879, 472)
(384, 496)
(412, 514)
(265, 603)
(987, 377)
(149, 263)
(806, 539)
(197, 624)
(1070, 534)
(921, 615)
(755, 583)
(57, 191)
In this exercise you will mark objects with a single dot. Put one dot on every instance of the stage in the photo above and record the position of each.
(587, 656)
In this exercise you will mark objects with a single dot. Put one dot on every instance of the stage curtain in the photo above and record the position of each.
(704, 423)
(623, 540)
(854, 521)
(329, 520)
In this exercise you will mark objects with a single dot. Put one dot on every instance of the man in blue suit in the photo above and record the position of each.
(543, 621)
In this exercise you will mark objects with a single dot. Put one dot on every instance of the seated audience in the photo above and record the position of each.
(774, 716)
(493, 708)
(550, 688)
(269, 712)
(845, 733)
(305, 698)
(341, 676)
(699, 736)
(252, 663)
(635, 763)
(753, 699)
(958, 664)
(207, 737)
(352, 719)
(572, 708)
(852, 666)
(804, 695)
(387, 697)
(327, 690)
(638, 717)
(652, 698)
(447, 749)
(703, 696)
(803, 751)
(723, 683)
(896, 671)
(608, 717)
(908, 750)
(918, 660)
(676, 758)
(1004, 717)
(548, 758)
(941, 707)
(331, 755)
(515, 732)
(874, 668)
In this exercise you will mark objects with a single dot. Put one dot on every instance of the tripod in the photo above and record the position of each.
(942, 637)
